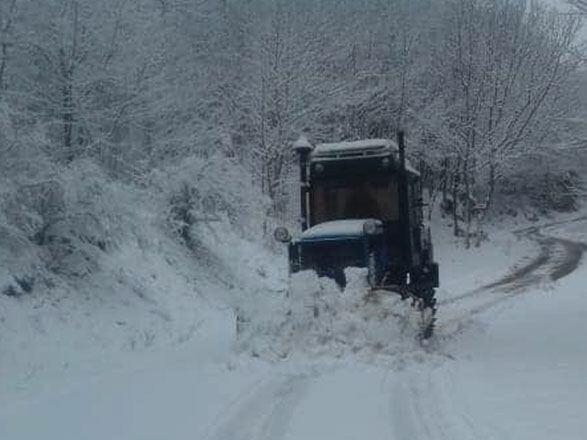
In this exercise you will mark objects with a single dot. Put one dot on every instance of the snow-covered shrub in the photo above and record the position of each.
(30, 198)
(19, 261)
(69, 219)
(532, 188)
(203, 190)
(33, 207)
(54, 220)
(97, 213)
(558, 191)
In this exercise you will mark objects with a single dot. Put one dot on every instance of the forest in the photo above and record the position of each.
(155, 281)
(194, 104)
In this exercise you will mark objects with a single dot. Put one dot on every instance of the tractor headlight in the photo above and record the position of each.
(371, 227)
(282, 234)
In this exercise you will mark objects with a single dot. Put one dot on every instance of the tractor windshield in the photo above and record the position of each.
(339, 200)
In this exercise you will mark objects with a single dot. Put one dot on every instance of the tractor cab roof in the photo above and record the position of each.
(355, 149)
(359, 150)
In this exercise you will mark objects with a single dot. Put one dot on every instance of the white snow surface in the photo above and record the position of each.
(171, 361)
(365, 144)
(337, 228)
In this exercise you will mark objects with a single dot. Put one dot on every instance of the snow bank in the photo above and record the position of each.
(318, 319)
(146, 296)
(96, 276)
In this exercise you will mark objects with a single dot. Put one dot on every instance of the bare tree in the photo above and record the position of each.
(480, 85)
(580, 5)
(7, 15)
(501, 67)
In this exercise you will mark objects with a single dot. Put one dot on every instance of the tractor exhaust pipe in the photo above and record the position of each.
(404, 204)
(303, 147)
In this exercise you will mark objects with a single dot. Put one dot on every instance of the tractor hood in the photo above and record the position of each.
(330, 247)
(336, 230)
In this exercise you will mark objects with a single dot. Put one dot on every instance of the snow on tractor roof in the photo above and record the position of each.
(365, 147)
(359, 149)
(336, 229)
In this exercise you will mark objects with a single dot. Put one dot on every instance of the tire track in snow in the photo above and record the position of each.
(265, 413)
(421, 403)
(573, 255)
(422, 408)
(557, 258)
(554, 265)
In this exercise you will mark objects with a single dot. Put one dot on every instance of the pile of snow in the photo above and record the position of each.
(318, 319)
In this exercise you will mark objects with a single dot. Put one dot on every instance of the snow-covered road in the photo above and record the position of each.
(509, 362)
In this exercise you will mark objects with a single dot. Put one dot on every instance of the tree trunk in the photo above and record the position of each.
(68, 121)
(468, 207)
(455, 201)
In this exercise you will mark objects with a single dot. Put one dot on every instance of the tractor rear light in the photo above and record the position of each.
(372, 227)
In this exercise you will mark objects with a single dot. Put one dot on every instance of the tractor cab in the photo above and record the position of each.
(361, 206)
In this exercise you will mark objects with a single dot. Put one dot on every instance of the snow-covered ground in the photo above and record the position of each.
(508, 362)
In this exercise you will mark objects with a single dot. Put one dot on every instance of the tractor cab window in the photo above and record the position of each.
(338, 200)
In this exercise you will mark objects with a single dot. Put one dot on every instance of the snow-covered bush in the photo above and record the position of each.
(19, 261)
(30, 198)
(202, 190)
(35, 206)
(537, 185)
(68, 220)
(98, 214)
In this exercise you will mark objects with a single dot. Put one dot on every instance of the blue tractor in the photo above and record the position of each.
(361, 206)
